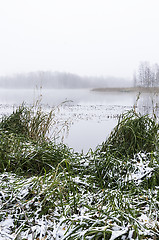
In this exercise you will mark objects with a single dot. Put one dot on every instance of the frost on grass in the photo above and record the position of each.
(111, 193)
(63, 205)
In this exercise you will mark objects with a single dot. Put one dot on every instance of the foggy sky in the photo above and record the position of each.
(85, 37)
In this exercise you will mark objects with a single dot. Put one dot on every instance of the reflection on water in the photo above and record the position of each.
(93, 114)
(56, 96)
(88, 134)
(148, 104)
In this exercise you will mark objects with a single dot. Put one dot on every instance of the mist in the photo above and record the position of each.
(57, 80)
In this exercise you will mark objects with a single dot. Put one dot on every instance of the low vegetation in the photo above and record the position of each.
(128, 89)
(133, 133)
(25, 146)
(49, 192)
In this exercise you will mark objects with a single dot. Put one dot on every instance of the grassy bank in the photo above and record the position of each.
(49, 192)
(129, 89)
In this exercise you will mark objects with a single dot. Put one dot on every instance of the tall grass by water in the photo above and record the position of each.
(48, 191)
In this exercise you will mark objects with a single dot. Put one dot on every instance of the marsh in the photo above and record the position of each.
(91, 115)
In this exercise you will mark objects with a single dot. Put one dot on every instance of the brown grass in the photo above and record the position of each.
(130, 89)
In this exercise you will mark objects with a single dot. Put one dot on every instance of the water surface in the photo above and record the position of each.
(92, 115)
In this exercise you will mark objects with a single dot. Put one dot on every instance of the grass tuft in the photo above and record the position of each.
(49, 192)
(28, 122)
(133, 133)
(25, 147)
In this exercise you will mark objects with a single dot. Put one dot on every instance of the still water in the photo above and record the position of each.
(91, 116)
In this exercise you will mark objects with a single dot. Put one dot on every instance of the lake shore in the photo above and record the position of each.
(128, 89)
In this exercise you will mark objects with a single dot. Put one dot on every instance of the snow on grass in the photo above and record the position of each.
(110, 193)
(64, 206)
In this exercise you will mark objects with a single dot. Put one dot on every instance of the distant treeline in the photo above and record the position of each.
(59, 80)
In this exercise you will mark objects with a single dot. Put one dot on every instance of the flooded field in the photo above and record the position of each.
(90, 115)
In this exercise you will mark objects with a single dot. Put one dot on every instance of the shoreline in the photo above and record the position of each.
(128, 89)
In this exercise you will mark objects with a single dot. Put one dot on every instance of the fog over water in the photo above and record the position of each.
(88, 38)
(60, 80)
(91, 115)
(62, 49)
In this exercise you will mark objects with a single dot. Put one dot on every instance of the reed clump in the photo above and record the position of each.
(134, 133)
(25, 146)
(111, 193)
(116, 158)
(28, 122)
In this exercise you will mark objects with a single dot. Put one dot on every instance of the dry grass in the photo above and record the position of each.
(130, 89)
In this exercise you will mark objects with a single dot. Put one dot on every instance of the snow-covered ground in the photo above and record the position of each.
(116, 213)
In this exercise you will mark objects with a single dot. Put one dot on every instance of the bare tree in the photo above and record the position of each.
(147, 76)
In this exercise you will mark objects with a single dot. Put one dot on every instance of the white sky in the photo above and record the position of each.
(86, 37)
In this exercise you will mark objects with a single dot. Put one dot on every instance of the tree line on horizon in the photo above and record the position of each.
(58, 80)
(147, 75)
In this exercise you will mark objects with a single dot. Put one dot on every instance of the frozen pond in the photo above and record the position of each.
(92, 114)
